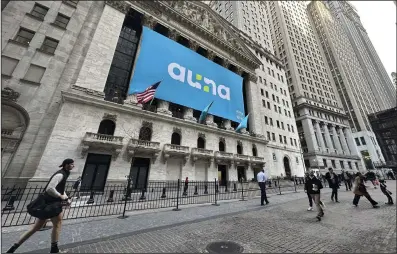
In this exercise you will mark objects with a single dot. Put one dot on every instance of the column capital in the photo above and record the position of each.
(239, 70)
(211, 55)
(252, 78)
(194, 45)
(121, 6)
(148, 21)
(226, 63)
(173, 34)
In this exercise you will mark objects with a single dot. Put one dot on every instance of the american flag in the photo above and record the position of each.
(148, 94)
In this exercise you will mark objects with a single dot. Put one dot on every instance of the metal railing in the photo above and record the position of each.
(118, 199)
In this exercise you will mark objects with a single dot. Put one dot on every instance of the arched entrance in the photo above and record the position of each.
(14, 121)
(287, 168)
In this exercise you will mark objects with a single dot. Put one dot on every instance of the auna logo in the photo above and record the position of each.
(221, 90)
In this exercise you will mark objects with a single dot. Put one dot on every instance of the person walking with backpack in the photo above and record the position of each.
(49, 206)
(333, 182)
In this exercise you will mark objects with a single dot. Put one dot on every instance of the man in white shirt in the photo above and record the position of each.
(261, 178)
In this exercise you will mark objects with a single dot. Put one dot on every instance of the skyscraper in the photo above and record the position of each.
(323, 128)
(349, 76)
(374, 71)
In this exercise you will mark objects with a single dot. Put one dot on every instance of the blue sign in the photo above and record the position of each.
(187, 78)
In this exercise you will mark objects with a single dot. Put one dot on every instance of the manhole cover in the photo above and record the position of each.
(224, 247)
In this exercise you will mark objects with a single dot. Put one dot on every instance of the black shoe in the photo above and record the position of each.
(318, 218)
(389, 203)
(375, 206)
(332, 199)
(13, 248)
(337, 201)
(267, 202)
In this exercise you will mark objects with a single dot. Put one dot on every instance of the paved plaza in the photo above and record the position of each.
(282, 226)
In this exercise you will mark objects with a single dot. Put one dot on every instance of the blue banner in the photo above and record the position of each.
(187, 78)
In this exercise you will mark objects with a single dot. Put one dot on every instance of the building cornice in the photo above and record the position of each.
(98, 102)
(307, 105)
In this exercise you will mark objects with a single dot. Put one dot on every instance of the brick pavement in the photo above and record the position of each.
(193, 228)
(284, 227)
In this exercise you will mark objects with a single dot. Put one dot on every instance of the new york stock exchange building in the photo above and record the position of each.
(66, 93)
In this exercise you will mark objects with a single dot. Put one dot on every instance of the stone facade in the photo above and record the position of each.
(67, 106)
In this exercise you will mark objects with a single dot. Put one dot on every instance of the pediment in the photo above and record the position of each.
(207, 23)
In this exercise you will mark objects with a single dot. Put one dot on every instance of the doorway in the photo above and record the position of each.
(95, 172)
(222, 175)
(139, 173)
(287, 167)
(241, 173)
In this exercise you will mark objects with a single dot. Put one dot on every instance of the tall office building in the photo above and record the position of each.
(374, 71)
(273, 103)
(283, 28)
(349, 76)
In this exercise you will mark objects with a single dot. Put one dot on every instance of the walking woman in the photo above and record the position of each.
(361, 190)
(51, 207)
(308, 194)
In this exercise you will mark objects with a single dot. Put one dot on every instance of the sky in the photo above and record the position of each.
(379, 19)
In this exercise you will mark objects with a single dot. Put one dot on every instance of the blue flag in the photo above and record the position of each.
(204, 113)
(243, 123)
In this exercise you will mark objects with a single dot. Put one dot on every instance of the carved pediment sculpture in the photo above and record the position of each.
(9, 94)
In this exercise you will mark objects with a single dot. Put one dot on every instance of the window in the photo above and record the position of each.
(49, 45)
(39, 11)
(24, 36)
(262, 92)
(273, 136)
(266, 120)
(278, 123)
(357, 142)
(271, 121)
(333, 163)
(176, 138)
(285, 140)
(268, 135)
(71, 3)
(281, 138)
(363, 141)
(349, 164)
(201, 143)
(8, 65)
(34, 73)
(342, 165)
(107, 127)
(221, 146)
(61, 20)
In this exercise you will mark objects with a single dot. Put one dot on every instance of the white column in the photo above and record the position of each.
(227, 124)
(310, 137)
(163, 107)
(336, 140)
(343, 139)
(95, 69)
(328, 138)
(319, 136)
(210, 121)
(188, 115)
(249, 173)
(350, 142)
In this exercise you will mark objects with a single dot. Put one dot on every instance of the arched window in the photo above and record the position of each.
(254, 151)
(221, 146)
(107, 127)
(145, 134)
(200, 143)
(176, 138)
(239, 149)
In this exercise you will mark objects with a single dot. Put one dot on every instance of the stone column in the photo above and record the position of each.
(188, 115)
(320, 136)
(228, 125)
(310, 137)
(95, 69)
(350, 142)
(210, 121)
(343, 139)
(336, 140)
(249, 173)
(328, 138)
(162, 107)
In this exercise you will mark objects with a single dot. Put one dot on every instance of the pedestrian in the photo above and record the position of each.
(261, 178)
(346, 180)
(313, 186)
(308, 195)
(385, 191)
(333, 182)
(359, 189)
(53, 196)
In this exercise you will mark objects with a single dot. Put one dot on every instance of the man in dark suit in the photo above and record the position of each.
(333, 182)
(313, 186)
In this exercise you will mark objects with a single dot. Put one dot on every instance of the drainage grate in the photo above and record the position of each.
(224, 247)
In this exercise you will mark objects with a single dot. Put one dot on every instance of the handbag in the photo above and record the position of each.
(42, 209)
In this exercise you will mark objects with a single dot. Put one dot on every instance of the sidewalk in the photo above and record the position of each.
(84, 231)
